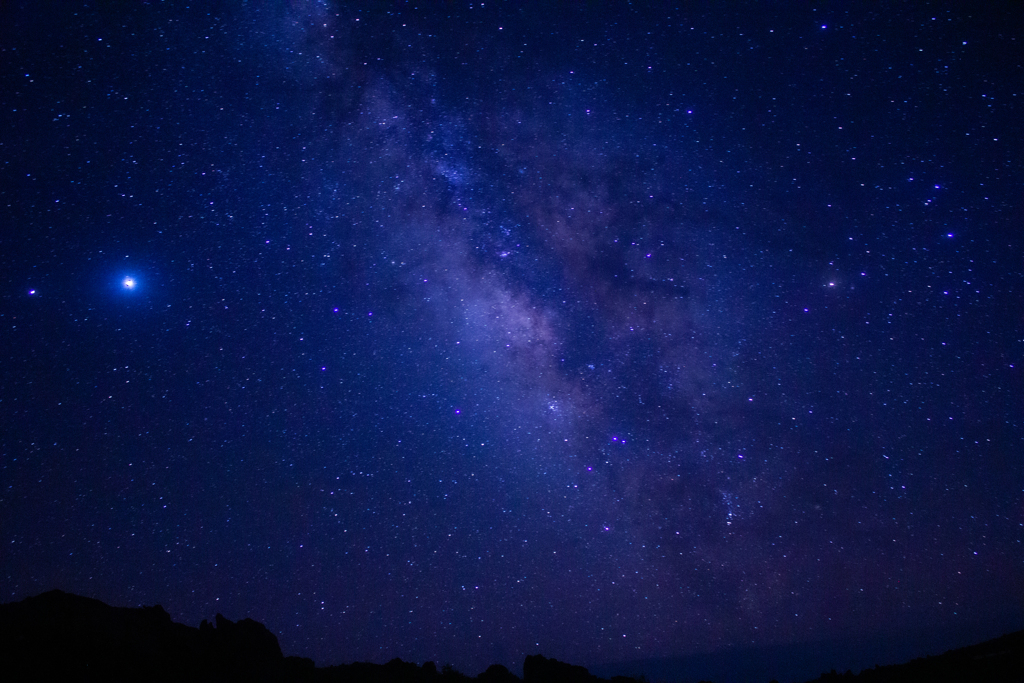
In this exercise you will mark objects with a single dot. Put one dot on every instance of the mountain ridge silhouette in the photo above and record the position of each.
(58, 635)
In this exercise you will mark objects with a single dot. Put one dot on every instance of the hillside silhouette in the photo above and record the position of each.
(61, 636)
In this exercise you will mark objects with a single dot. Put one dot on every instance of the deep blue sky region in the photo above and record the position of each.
(465, 331)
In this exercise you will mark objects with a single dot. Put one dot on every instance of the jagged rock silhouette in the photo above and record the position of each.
(59, 636)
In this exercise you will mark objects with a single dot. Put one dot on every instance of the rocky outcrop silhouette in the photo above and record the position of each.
(59, 636)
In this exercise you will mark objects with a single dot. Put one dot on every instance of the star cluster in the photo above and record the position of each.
(462, 335)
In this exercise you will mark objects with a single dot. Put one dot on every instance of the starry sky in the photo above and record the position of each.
(467, 331)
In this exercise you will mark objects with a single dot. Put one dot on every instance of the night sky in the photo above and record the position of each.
(472, 331)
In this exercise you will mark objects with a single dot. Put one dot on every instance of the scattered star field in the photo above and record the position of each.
(468, 331)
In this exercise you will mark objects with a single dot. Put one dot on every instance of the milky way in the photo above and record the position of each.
(468, 335)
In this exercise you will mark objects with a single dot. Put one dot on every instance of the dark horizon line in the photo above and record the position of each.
(57, 630)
